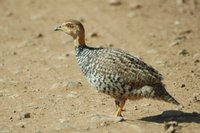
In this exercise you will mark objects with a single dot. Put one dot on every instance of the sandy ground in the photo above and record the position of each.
(42, 89)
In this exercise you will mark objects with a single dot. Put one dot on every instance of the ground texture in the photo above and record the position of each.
(42, 89)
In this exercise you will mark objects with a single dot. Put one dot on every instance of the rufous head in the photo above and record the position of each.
(73, 28)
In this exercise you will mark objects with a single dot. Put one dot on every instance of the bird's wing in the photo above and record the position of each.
(129, 68)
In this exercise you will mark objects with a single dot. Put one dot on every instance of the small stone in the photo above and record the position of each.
(93, 34)
(131, 14)
(174, 43)
(178, 40)
(183, 52)
(185, 32)
(180, 2)
(134, 6)
(179, 108)
(1, 94)
(197, 61)
(25, 115)
(72, 84)
(110, 45)
(81, 19)
(146, 104)
(44, 50)
(14, 53)
(135, 108)
(37, 131)
(176, 22)
(39, 35)
(67, 55)
(196, 97)
(103, 118)
(21, 124)
(73, 94)
(87, 128)
(160, 62)
(183, 85)
(196, 56)
(36, 107)
(62, 120)
(115, 2)
(171, 127)
(55, 86)
(9, 13)
(61, 57)
(11, 118)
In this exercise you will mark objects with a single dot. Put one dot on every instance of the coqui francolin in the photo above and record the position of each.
(115, 72)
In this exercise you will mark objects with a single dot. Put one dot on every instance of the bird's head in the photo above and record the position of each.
(73, 28)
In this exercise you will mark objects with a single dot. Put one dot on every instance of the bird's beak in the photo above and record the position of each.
(58, 28)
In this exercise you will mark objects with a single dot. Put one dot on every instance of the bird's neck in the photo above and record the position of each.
(80, 40)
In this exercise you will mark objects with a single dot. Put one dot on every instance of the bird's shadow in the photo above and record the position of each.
(174, 115)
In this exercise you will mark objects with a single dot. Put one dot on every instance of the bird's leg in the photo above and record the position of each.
(117, 104)
(120, 104)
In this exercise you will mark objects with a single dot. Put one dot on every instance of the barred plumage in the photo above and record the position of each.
(115, 72)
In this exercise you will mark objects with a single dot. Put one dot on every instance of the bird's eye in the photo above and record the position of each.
(70, 25)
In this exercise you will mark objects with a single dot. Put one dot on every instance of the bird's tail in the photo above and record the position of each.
(156, 91)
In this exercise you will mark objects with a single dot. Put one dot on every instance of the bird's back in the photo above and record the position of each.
(113, 68)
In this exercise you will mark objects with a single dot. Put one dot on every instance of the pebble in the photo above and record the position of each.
(14, 53)
(61, 57)
(25, 43)
(81, 19)
(180, 2)
(177, 22)
(174, 43)
(72, 84)
(183, 52)
(21, 124)
(62, 120)
(44, 50)
(146, 104)
(55, 86)
(37, 131)
(178, 41)
(135, 108)
(9, 13)
(39, 35)
(171, 127)
(131, 14)
(196, 56)
(134, 6)
(104, 118)
(185, 32)
(36, 17)
(25, 115)
(183, 85)
(160, 62)
(73, 94)
(196, 97)
(67, 54)
(196, 61)
(1, 94)
(93, 34)
(115, 2)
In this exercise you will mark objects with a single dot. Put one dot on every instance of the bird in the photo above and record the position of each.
(115, 72)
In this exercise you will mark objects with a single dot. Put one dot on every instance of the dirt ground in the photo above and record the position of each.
(42, 89)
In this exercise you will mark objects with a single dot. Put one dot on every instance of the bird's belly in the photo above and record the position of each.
(110, 86)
